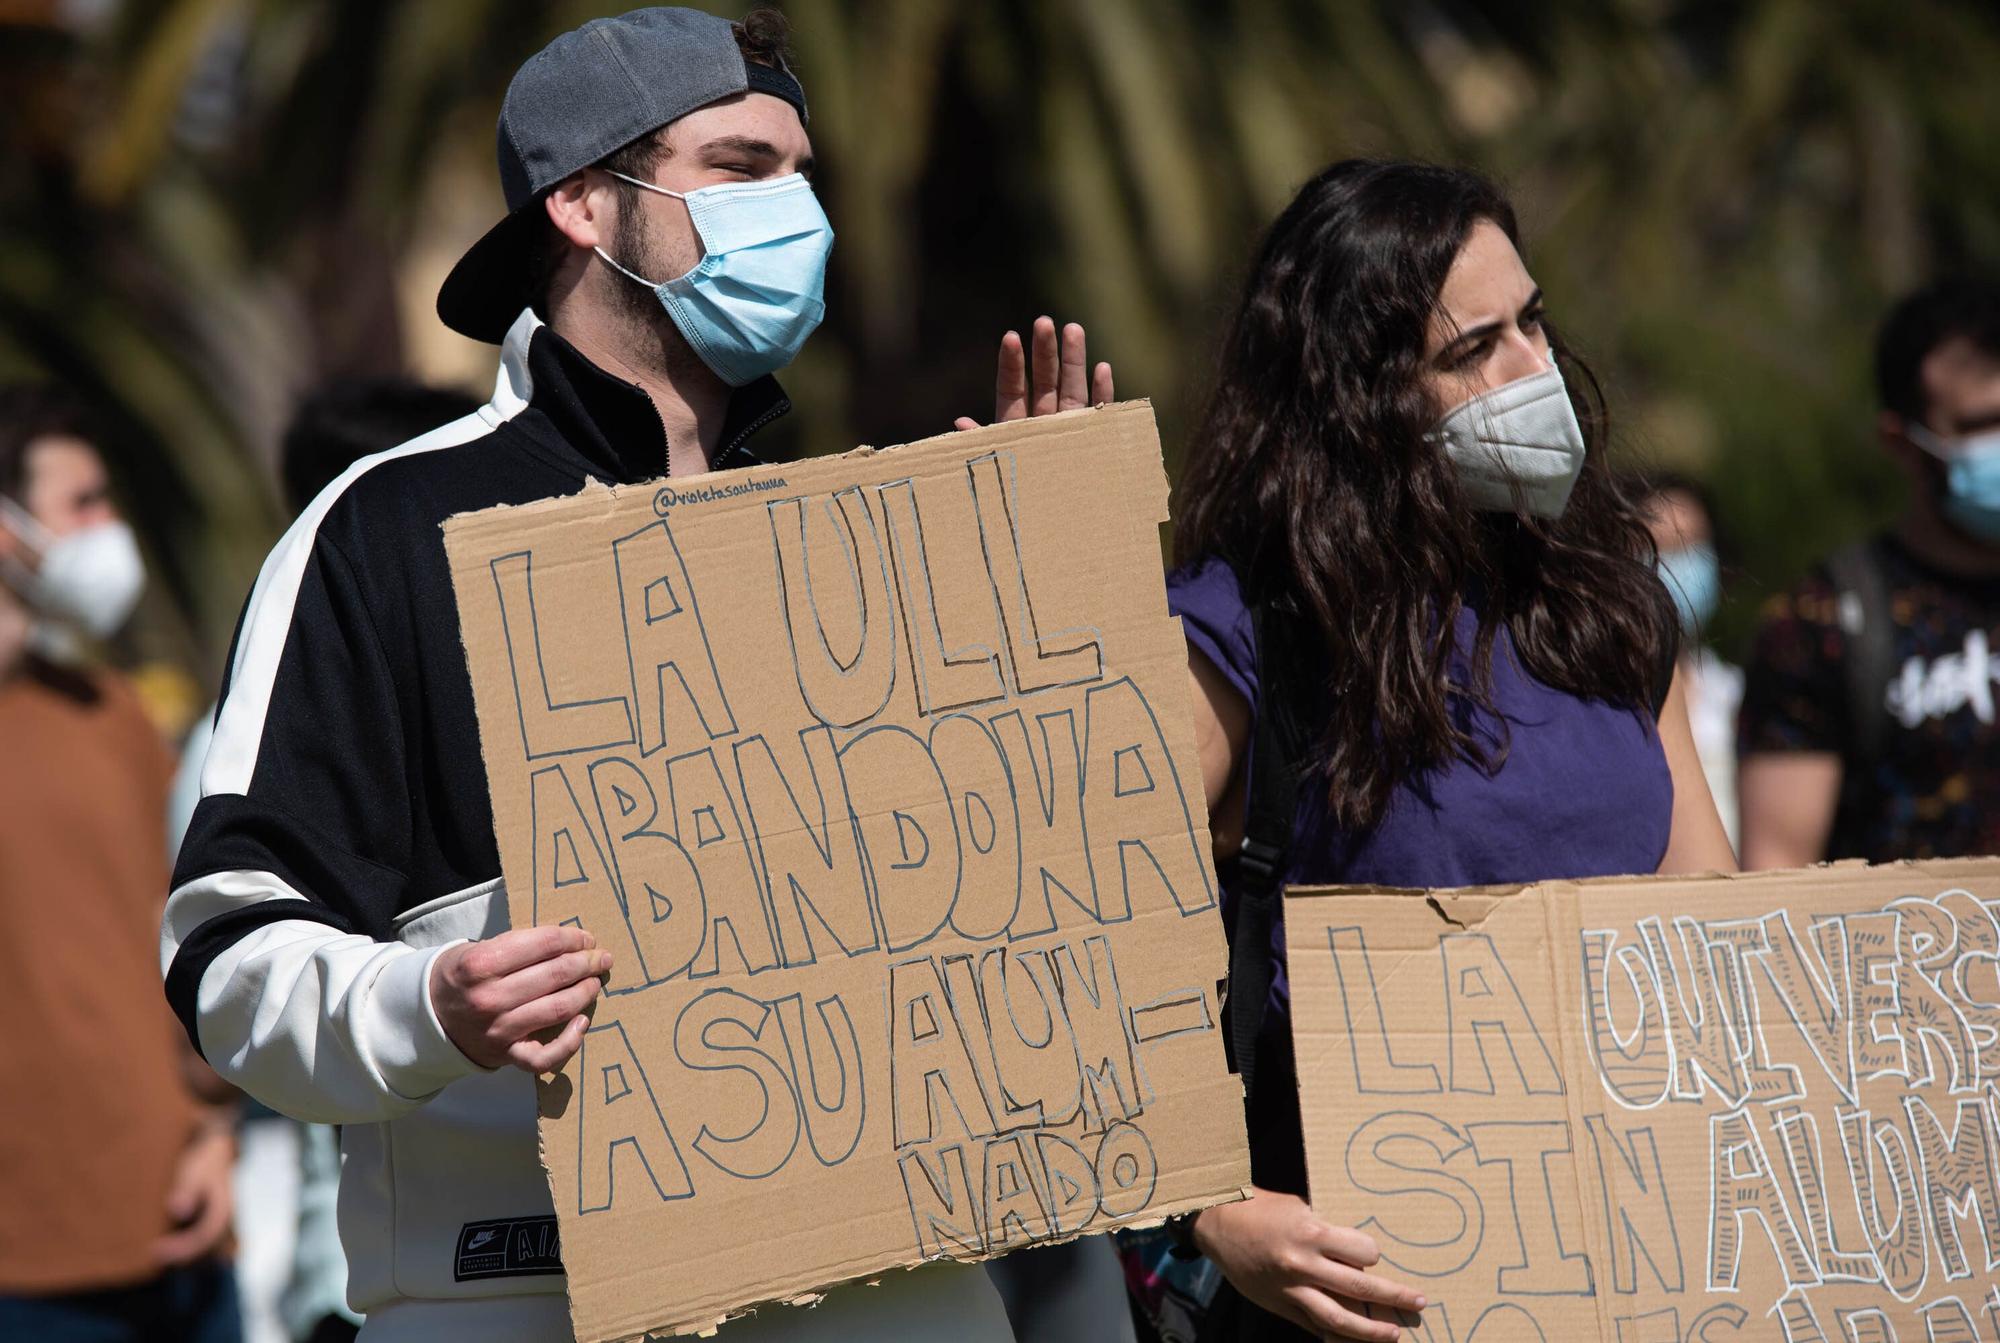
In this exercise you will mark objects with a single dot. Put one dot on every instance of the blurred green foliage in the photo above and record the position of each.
(209, 205)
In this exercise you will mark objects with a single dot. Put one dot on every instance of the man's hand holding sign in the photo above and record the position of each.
(521, 998)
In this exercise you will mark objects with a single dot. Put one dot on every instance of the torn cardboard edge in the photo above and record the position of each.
(874, 1278)
(989, 436)
(1442, 897)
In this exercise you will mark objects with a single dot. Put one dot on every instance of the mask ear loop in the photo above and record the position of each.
(16, 570)
(27, 529)
(636, 279)
(680, 196)
(1927, 441)
(646, 186)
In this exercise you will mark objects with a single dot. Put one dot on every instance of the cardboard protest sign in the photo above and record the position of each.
(1665, 1110)
(876, 774)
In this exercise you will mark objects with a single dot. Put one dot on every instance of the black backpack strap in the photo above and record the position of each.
(1270, 808)
(1862, 590)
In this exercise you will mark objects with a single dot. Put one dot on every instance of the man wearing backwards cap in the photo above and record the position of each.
(336, 940)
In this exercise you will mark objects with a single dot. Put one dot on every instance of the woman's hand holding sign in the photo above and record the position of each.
(522, 997)
(1285, 1259)
(1062, 377)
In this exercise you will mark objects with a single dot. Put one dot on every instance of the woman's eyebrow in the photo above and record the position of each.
(1469, 337)
(1473, 335)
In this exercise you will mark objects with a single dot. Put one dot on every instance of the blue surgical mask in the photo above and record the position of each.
(1694, 576)
(756, 294)
(1971, 480)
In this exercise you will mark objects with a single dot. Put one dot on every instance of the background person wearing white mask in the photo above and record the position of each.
(1869, 727)
(115, 1142)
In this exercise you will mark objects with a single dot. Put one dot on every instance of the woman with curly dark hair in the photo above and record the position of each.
(1397, 535)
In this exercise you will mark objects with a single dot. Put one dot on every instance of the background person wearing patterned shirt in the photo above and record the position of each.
(1868, 727)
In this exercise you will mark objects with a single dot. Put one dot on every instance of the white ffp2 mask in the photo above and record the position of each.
(1518, 447)
(90, 579)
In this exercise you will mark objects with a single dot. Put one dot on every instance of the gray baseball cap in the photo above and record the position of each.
(593, 90)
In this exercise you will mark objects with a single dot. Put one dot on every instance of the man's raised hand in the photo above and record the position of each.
(1057, 377)
(521, 998)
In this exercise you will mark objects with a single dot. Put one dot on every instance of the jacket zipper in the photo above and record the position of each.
(772, 412)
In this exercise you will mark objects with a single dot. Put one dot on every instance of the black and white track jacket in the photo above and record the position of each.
(344, 838)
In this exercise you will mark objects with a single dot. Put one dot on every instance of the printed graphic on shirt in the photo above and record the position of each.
(510, 1247)
(1941, 687)
(1932, 789)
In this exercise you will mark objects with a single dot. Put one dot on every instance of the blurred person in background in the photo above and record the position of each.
(1409, 578)
(1681, 513)
(116, 1144)
(1868, 727)
(291, 1272)
(337, 939)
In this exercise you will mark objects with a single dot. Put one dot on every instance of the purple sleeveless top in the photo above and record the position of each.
(1584, 791)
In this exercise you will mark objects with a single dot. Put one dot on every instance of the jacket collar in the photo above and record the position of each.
(612, 423)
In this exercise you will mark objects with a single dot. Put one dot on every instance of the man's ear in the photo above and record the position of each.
(1889, 428)
(580, 209)
(1917, 465)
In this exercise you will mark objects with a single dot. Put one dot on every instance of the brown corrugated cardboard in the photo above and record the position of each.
(1665, 1110)
(876, 774)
